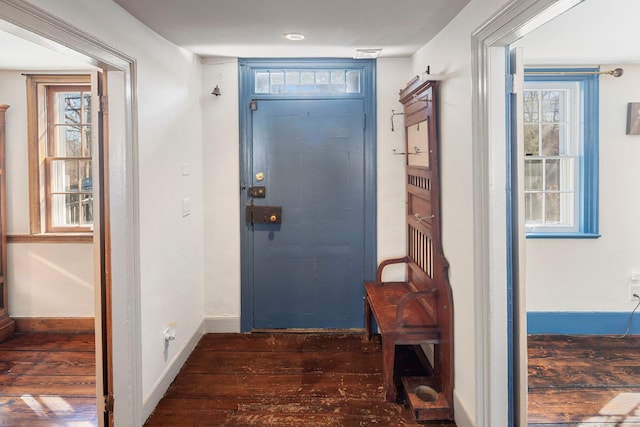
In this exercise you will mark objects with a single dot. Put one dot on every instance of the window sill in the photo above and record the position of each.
(51, 238)
(562, 235)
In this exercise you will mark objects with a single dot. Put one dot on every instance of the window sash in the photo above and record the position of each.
(61, 198)
(554, 138)
(69, 196)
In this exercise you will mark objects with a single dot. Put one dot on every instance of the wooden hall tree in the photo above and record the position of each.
(418, 312)
(7, 325)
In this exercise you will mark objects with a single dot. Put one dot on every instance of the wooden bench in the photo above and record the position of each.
(401, 316)
(419, 310)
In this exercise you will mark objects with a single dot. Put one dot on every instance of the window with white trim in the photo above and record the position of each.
(61, 181)
(561, 153)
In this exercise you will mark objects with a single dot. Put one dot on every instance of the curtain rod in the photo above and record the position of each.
(615, 73)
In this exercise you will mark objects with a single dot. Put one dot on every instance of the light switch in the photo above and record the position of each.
(186, 206)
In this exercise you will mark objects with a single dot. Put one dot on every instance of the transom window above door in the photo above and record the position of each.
(306, 82)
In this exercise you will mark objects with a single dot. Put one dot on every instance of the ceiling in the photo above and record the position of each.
(23, 55)
(593, 32)
(599, 33)
(333, 28)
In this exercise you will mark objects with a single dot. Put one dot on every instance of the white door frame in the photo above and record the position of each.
(489, 43)
(36, 25)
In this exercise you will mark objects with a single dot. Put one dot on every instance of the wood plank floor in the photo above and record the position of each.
(586, 381)
(301, 379)
(48, 380)
(286, 379)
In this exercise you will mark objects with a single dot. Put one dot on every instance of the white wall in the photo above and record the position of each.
(41, 276)
(393, 75)
(169, 96)
(221, 164)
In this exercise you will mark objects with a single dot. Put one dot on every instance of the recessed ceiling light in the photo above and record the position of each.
(367, 53)
(296, 37)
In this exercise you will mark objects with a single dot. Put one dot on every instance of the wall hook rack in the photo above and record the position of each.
(393, 114)
(416, 151)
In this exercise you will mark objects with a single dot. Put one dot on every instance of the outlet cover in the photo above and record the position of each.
(634, 289)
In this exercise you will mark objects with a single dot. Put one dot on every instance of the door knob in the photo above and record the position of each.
(273, 218)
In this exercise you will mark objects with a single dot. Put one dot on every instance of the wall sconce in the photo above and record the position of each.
(216, 91)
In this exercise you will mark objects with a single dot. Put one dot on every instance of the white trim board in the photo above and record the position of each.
(221, 324)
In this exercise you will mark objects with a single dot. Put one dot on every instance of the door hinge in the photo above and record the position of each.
(103, 105)
(364, 121)
(253, 105)
(108, 403)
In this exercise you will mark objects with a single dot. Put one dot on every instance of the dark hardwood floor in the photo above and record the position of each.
(307, 379)
(48, 380)
(585, 381)
(286, 379)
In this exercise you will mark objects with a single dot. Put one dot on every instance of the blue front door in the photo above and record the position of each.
(308, 270)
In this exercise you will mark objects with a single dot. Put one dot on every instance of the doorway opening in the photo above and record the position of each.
(496, 247)
(116, 204)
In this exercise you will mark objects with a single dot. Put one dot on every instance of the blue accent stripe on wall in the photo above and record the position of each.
(581, 323)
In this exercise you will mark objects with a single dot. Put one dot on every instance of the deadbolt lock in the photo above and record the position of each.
(258, 192)
(264, 214)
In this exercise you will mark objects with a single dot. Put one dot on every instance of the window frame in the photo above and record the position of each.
(40, 127)
(588, 191)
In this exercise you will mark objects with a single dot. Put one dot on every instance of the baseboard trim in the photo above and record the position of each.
(220, 324)
(461, 415)
(162, 385)
(67, 325)
(581, 323)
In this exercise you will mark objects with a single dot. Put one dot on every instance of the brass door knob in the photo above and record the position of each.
(273, 218)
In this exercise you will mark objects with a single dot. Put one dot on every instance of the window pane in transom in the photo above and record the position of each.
(353, 82)
(277, 82)
(262, 82)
